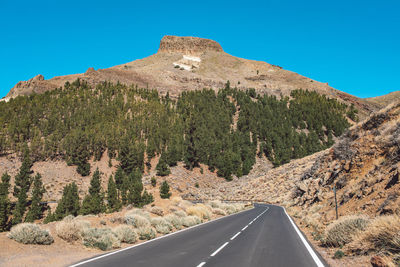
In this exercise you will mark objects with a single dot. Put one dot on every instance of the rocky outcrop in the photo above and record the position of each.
(193, 46)
(363, 166)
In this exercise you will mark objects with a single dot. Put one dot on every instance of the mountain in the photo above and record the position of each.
(191, 63)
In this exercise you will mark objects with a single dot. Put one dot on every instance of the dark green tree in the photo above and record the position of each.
(162, 166)
(93, 203)
(35, 212)
(164, 190)
(5, 204)
(21, 187)
(113, 203)
(69, 202)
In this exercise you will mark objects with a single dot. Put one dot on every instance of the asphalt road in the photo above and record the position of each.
(263, 236)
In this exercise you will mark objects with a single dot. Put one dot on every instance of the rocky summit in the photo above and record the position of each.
(188, 45)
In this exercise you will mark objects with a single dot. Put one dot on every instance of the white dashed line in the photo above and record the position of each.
(220, 248)
(233, 237)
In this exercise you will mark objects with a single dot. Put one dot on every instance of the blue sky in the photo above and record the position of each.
(354, 45)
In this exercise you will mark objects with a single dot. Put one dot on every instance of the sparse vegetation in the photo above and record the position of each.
(157, 211)
(101, 238)
(137, 220)
(199, 210)
(338, 254)
(126, 234)
(71, 229)
(146, 232)
(190, 220)
(29, 233)
(382, 234)
(342, 231)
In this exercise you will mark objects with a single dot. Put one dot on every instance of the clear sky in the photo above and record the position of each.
(352, 44)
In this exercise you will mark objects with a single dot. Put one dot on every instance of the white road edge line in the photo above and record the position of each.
(157, 238)
(244, 228)
(219, 249)
(233, 237)
(201, 264)
(308, 247)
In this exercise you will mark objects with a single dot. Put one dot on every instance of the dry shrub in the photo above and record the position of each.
(229, 208)
(101, 238)
(126, 234)
(157, 211)
(146, 232)
(161, 225)
(215, 204)
(200, 211)
(382, 234)
(140, 212)
(184, 204)
(137, 220)
(342, 231)
(218, 211)
(29, 233)
(175, 220)
(175, 200)
(71, 230)
(180, 213)
(190, 220)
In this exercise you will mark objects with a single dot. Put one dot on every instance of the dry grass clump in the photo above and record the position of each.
(218, 211)
(175, 220)
(140, 212)
(101, 238)
(29, 233)
(215, 204)
(342, 231)
(184, 204)
(180, 213)
(71, 229)
(126, 234)
(190, 220)
(382, 234)
(161, 225)
(157, 211)
(229, 208)
(200, 211)
(146, 232)
(176, 200)
(137, 220)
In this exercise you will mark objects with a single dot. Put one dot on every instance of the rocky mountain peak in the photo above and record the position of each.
(188, 45)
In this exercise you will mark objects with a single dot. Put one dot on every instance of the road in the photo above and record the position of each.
(262, 236)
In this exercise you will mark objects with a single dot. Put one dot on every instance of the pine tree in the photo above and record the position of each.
(162, 166)
(147, 198)
(5, 204)
(35, 211)
(164, 190)
(114, 204)
(119, 180)
(93, 203)
(69, 202)
(21, 188)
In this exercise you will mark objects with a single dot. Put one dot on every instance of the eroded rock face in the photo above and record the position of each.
(188, 45)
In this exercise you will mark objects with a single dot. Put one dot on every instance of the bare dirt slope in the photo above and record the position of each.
(190, 63)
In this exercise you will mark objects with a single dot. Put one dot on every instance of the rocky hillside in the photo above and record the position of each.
(363, 165)
(190, 63)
